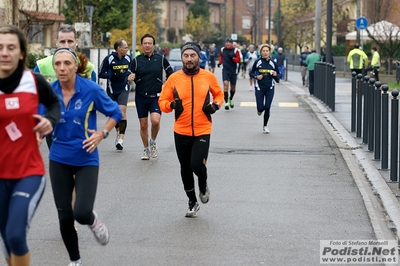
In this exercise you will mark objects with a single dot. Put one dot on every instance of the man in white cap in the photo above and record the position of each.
(280, 60)
(230, 58)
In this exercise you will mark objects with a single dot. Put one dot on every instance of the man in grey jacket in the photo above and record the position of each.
(303, 65)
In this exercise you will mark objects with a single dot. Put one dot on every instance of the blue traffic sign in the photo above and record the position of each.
(362, 23)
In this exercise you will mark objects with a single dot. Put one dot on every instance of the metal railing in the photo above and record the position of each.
(324, 83)
(370, 114)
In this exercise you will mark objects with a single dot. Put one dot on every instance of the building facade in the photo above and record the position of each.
(247, 18)
(252, 19)
(38, 19)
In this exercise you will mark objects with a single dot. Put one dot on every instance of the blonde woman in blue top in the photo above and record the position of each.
(265, 72)
(74, 149)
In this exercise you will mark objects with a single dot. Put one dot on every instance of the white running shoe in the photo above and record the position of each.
(153, 150)
(146, 154)
(120, 145)
(205, 197)
(100, 231)
(116, 139)
(251, 88)
(74, 263)
(193, 209)
(265, 130)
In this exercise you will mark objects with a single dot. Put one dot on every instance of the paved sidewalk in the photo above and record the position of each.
(340, 121)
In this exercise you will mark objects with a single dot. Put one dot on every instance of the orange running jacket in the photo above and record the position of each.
(194, 91)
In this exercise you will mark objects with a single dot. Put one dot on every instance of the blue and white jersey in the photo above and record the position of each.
(116, 70)
(264, 67)
(77, 117)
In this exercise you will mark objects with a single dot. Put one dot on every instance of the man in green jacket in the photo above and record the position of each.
(66, 37)
(310, 61)
(375, 62)
(357, 59)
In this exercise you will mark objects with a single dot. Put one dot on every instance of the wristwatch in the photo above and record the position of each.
(105, 133)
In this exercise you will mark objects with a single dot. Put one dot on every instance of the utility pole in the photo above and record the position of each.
(261, 21)
(358, 15)
(328, 50)
(317, 36)
(12, 12)
(269, 22)
(225, 21)
(233, 17)
(256, 4)
(89, 11)
(279, 24)
(134, 6)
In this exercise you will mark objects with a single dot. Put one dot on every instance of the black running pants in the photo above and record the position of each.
(192, 155)
(63, 183)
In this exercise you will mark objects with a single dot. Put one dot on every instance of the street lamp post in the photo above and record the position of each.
(269, 22)
(89, 12)
(134, 11)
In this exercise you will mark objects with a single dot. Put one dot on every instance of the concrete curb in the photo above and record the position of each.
(381, 204)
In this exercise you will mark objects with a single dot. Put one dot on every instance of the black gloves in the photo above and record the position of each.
(219, 65)
(211, 108)
(177, 105)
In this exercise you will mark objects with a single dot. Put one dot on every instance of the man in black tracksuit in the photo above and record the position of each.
(230, 58)
(148, 69)
(115, 68)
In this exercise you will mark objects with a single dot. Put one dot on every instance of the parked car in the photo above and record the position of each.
(174, 59)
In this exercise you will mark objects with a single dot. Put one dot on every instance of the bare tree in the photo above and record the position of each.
(32, 17)
(383, 33)
(33, 23)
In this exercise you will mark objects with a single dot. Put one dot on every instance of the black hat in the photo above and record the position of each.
(229, 40)
(191, 45)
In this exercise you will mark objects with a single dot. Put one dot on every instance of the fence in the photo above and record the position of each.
(341, 63)
(324, 83)
(370, 116)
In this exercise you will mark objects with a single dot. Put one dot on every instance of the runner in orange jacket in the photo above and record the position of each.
(188, 93)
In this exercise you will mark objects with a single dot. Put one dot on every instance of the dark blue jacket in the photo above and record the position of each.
(116, 71)
(149, 73)
(264, 67)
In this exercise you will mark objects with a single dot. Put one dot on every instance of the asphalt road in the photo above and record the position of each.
(273, 196)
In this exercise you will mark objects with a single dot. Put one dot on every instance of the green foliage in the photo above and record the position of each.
(200, 8)
(108, 14)
(393, 85)
(198, 28)
(171, 34)
(214, 37)
(242, 39)
(339, 50)
(145, 23)
(32, 58)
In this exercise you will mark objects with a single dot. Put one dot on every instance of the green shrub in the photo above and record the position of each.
(32, 58)
(339, 50)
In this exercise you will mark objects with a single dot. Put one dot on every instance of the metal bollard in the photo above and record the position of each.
(327, 85)
(371, 112)
(365, 110)
(385, 127)
(333, 87)
(353, 101)
(317, 78)
(378, 115)
(359, 105)
(394, 138)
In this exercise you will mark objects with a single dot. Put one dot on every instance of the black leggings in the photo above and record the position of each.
(192, 155)
(63, 183)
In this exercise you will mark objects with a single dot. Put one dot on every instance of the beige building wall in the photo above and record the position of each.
(2, 13)
(175, 12)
